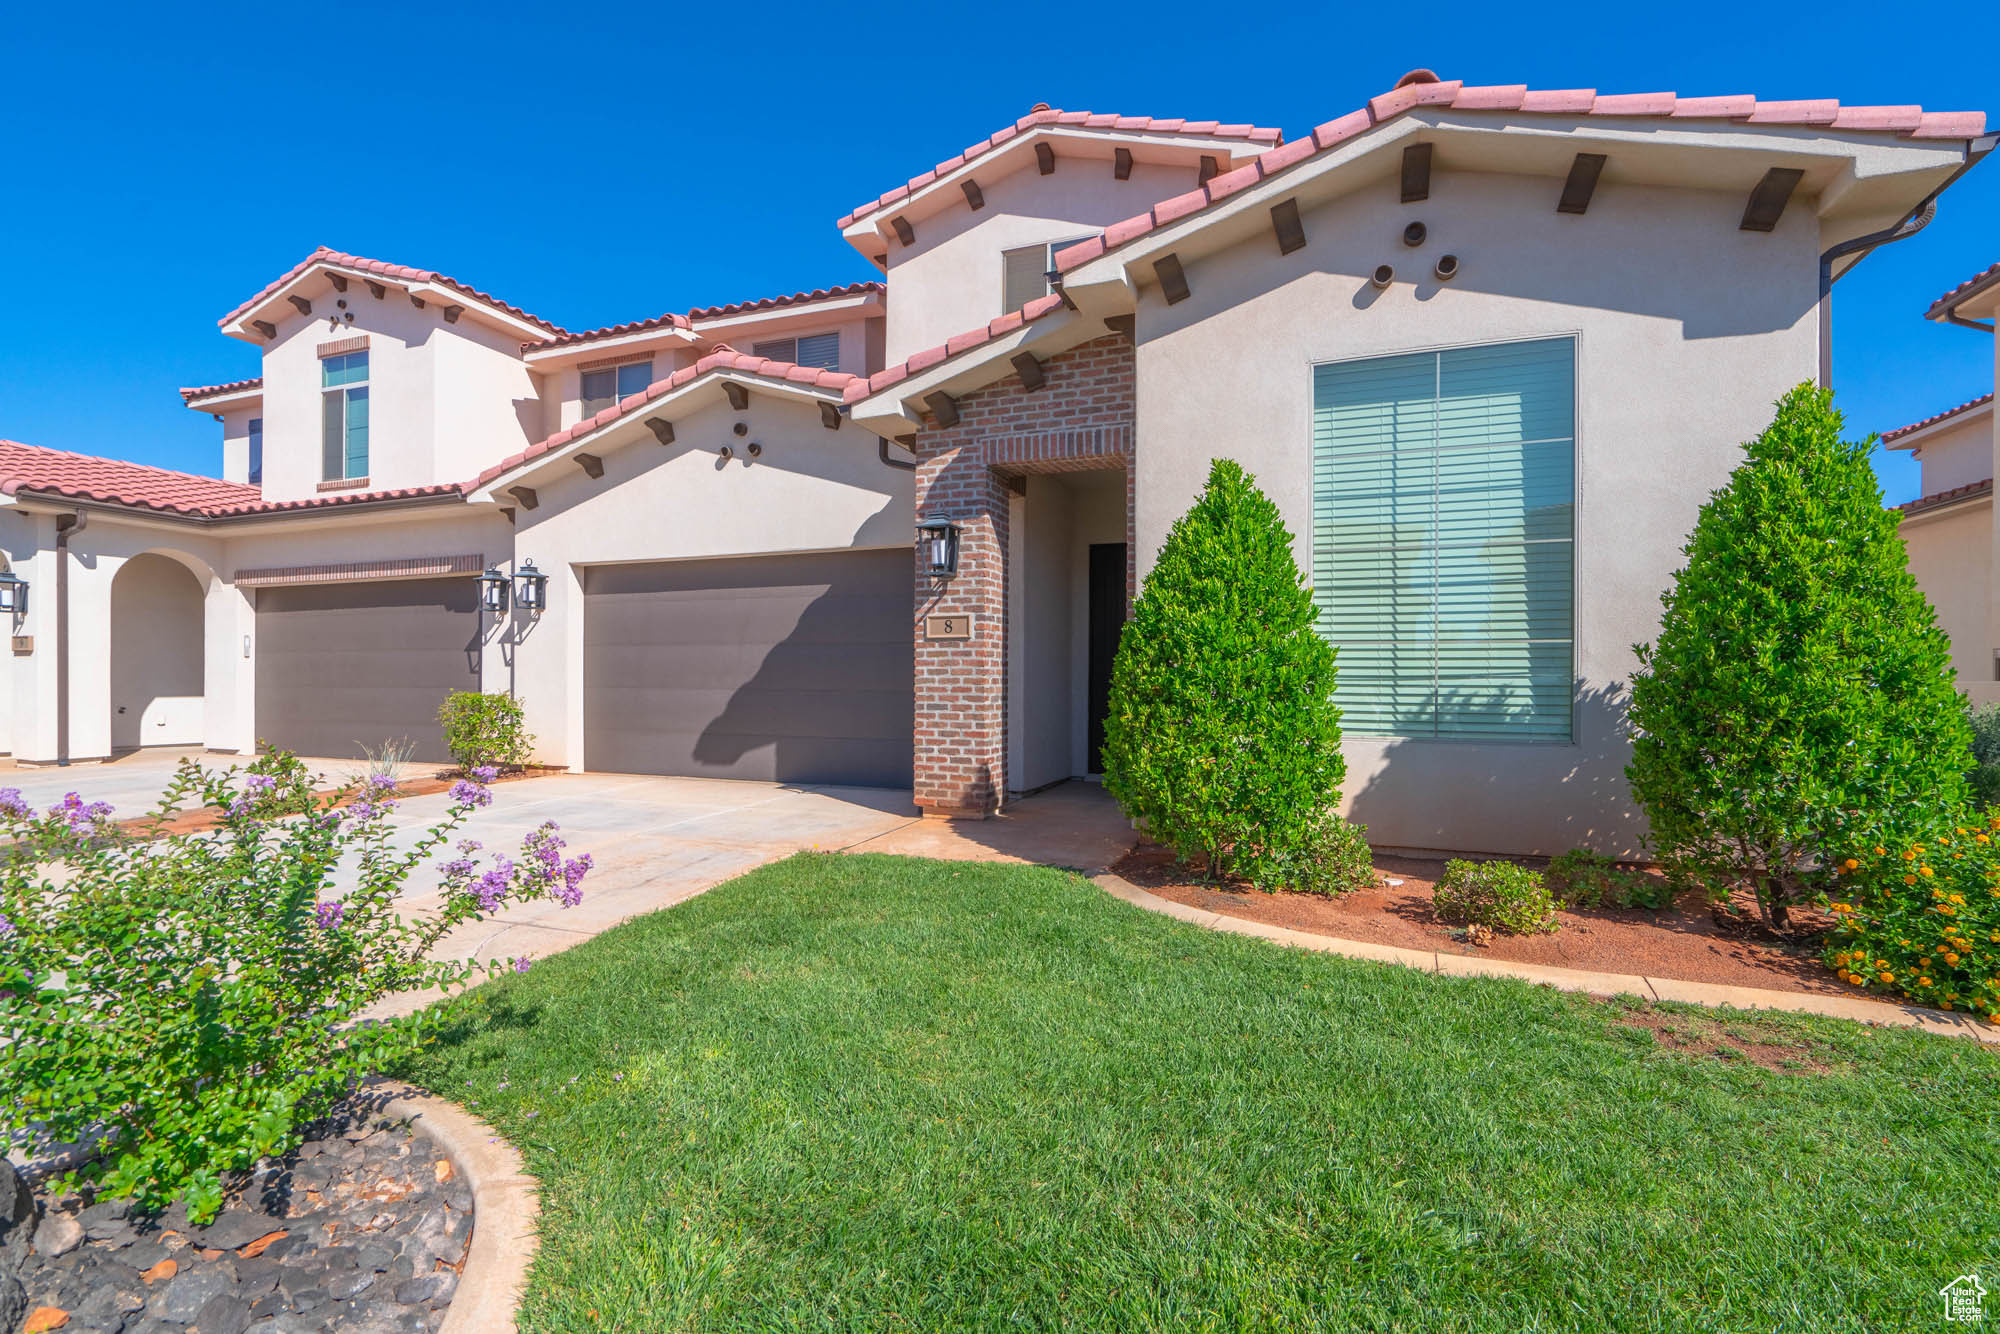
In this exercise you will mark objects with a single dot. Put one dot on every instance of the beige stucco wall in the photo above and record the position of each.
(1040, 529)
(810, 490)
(156, 654)
(1957, 454)
(1687, 329)
(1951, 557)
(950, 280)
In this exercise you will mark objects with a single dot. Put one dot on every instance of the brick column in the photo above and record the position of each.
(1081, 419)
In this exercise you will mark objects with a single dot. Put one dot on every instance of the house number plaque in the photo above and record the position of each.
(947, 627)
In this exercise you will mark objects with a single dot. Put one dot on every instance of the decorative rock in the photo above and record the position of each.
(437, 1287)
(349, 1283)
(58, 1235)
(286, 1322)
(13, 1302)
(183, 1297)
(223, 1315)
(45, 1318)
(165, 1269)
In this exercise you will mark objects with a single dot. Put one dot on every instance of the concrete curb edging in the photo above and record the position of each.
(505, 1206)
(1566, 979)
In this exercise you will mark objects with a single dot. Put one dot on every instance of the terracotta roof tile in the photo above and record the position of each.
(1912, 122)
(1083, 120)
(724, 358)
(1967, 406)
(1972, 286)
(965, 342)
(685, 320)
(211, 390)
(393, 272)
(1931, 502)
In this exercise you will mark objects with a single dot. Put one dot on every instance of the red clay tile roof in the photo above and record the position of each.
(684, 320)
(209, 390)
(1948, 413)
(1972, 286)
(1910, 121)
(1931, 502)
(724, 358)
(59, 472)
(964, 342)
(1079, 120)
(393, 272)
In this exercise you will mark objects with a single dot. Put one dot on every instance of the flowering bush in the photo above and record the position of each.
(1921, 917)
(184, 1002)
(276, 783)
(1502, 895)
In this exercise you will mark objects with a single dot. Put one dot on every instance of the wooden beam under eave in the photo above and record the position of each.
(1121, 163)
(338, 280)
(416, 301)
(1208, 171)
(904, 232)
(974, 196)
(662, 429)
(1416, 180)
(451, 314)
(1584, 170)
(375, 289)
(1287, 227)
(943, 406)
(265, 327)
(1173, 278)
(829, 415)
(738, 395)
(592, 465)
(1029, 368)
(303, 306)
(1768, 199)
(1122, 324)
(1045, 158)
(525, 495)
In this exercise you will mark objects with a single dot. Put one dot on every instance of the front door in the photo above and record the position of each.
(1107, 622)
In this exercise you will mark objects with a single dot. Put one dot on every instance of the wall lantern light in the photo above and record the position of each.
(531, 589)
(13, 594)
(493, 590)
(937, 543)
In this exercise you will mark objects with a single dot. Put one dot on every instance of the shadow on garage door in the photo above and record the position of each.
(793, 668)
(343, 666)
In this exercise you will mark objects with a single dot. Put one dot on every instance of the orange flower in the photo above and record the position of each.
(1851, 864)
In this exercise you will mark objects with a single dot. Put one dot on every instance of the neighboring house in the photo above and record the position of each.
(1948, 531)
(1487, 349)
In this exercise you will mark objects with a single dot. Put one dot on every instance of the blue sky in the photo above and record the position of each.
(593, 164)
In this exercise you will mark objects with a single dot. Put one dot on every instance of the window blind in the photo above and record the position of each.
(820, 350)
(1023, 276)
(1443, 539)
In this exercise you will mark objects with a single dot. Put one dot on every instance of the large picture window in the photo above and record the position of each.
(1444, 497)
(344, 416)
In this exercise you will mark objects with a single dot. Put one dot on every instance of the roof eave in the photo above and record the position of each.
(237, 398)
(429, 291)
(898, 408)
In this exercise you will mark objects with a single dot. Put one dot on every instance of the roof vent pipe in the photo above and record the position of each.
(1384, 275)
(1447, 268)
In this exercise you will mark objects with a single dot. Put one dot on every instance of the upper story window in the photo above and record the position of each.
(614, 384)
(256, 451)
(820, 350)
(1024, 273)
(1444, 496)
(344, 416)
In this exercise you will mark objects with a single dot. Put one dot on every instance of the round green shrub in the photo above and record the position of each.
(1502, 895)
(1222, 737)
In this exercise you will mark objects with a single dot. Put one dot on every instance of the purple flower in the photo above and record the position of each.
(6, 927)
(470, 794)
(485, 773)
(521, 966)
(365, 810)
(327, 914)
(259, 783)
(82, 817)
(12, 803)
(491, 889)
(573, 872)
(241, 805)
(380, 783)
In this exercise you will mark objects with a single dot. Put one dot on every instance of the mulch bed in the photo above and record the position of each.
(207, 817)
(364, 1228)
(1692, 941)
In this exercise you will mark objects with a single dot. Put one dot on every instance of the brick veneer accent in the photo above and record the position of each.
(1080, 420)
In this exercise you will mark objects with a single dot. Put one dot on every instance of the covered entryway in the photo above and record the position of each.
(793, 668)
(156, 654)
(345, 666)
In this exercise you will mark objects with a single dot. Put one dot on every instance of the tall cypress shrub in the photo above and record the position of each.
(1222, 737)
(1799, 698)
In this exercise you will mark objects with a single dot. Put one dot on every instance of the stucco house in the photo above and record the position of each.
(1488, 348)
(1949, 527)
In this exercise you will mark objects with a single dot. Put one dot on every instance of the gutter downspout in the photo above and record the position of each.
(1917, 219)
(67, 526)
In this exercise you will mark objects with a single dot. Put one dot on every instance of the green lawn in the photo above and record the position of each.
(881, 1093)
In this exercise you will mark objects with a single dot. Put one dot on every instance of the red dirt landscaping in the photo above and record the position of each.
(207, 817)
(1689, 942)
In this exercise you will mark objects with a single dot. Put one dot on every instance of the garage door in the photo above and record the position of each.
(787, 668)
(341, 666)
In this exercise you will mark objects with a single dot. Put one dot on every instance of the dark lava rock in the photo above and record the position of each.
(190, 1290)
(436, 1287)
(13, 1302)
(223, 1315)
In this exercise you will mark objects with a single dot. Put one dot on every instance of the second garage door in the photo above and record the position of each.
(787, 668)
(344, 666)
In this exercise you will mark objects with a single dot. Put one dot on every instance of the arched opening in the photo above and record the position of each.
(156, 654)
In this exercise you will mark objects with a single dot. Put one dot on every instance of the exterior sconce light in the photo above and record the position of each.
(13, 594)
(531, 589)
(493, 590)
(937, 543)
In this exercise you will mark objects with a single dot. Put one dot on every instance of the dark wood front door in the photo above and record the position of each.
(1107, 622)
